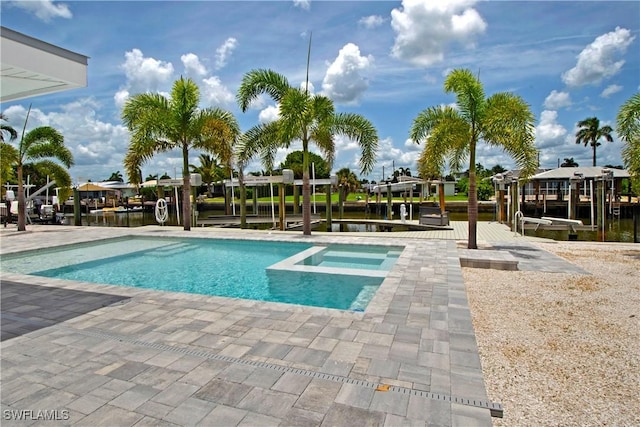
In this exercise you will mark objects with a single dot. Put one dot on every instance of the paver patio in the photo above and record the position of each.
(110, 355)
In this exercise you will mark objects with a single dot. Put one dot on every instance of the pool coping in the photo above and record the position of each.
(417, 324)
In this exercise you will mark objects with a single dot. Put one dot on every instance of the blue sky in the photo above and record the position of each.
(384, 60)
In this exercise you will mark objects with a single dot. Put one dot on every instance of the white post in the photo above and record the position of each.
(47, 193)
(177, 207)
(611, 197)
(273, 208)
(411, 203)
(591, 200)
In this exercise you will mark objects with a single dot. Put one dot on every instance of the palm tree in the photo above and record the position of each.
(502, 120)
(209, 169)
(628, 127)
(303, 117)
(590, 133)
(6, 129)
(158, 125)
(116, 176)
(41, 145)
(8, 153)
(347, 182)
(569, 163)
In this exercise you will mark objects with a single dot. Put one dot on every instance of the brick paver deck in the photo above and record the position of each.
(109, 355)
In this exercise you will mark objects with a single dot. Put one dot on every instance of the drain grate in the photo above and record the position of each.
(495, 409)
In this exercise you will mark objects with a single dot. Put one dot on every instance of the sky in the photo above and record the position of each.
(385, 60)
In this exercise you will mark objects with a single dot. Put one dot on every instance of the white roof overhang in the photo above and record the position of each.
(30, 67)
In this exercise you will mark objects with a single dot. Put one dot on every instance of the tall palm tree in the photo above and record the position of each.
(40, 146)
(628, 128)
(590, 133)
(158, 125)
(304, 117)
(502, 120)
(209, 169)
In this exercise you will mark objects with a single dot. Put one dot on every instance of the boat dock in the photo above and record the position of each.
(387, 225)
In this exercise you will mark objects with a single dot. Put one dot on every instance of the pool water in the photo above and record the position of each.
(355, 257)
(228, 268)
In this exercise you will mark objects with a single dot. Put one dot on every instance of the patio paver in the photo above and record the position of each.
(142, 357)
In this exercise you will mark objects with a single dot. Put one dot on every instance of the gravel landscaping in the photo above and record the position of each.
(562, 349)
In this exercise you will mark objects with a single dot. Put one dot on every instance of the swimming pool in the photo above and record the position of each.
(288, 272)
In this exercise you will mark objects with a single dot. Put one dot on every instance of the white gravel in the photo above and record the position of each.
(562, 349)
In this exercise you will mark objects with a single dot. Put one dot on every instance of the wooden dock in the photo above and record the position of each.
(291, 221)
(387, 225)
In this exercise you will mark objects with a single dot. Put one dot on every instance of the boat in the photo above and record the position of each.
(117, 210)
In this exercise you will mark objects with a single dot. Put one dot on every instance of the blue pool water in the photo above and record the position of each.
(229, 268)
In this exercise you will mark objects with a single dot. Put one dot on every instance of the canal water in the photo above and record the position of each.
(618, 230)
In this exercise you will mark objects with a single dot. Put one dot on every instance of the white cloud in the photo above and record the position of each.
(549, 132)
(425, 28)
(302, 4)
(224, 52)
(98, 147)
(192, 65)
(610, 90)
(145, 74)
(343, 143)
(389, 155)
(412, 146)
(372, 21)
(216, 94)
(269, 114)
(121, 97)
(45, 10)
(556, 100)
(311, 87)
(345, 80)
(598, 60)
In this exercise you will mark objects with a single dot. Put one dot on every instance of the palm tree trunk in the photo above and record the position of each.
(22, 205)
(243, 198)
(306, 193)
(472, 207)
(186, 189)
(594, 152)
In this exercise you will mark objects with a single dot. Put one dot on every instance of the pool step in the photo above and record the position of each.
(171, 249)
